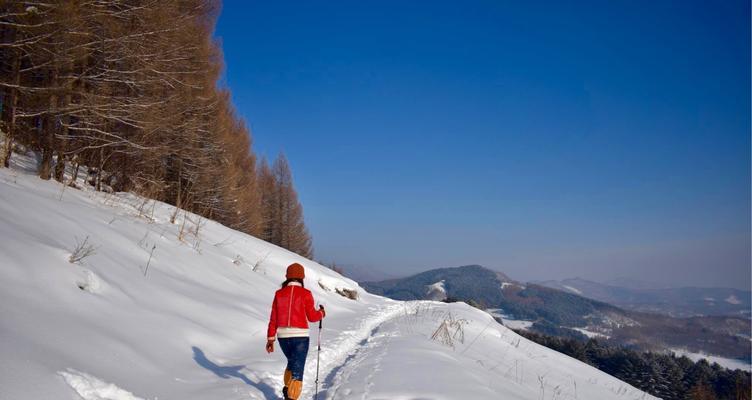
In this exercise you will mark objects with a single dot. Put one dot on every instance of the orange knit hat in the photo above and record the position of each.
(295, 271)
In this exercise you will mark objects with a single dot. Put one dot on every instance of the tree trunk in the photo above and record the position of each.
(8, 145)
(63, 140)
(98, 186)
(178, 202)
(75, 172)
(48, 132)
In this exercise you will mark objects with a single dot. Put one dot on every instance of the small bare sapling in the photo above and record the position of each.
(257, 264)
(450, 330)
(151, 253)
(542, 381)
(224, 243)
(82, 250)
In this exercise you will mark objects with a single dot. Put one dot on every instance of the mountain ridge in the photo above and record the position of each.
(566, 313)
(688, 301)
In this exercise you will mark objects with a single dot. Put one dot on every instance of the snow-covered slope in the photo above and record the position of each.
(192, 326)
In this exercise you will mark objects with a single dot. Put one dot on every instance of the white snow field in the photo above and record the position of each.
(193, 325)
(729, 363)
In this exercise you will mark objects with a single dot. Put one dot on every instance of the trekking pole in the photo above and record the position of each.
(318, 357)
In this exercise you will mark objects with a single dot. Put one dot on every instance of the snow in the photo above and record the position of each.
(436, 291)
(91, 388)
(517, 324)
(505, 284)
(591, 334)
(509, 322)
(573, 290)
(193, 325)
(729, 363)
(488, 361)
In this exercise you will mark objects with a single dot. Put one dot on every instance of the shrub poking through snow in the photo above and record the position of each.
(450, 330)
(351, 294)
(331, 284)
(81, 251)
(258, 263)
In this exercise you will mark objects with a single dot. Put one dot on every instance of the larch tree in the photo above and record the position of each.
(292, 232)
(268, 201)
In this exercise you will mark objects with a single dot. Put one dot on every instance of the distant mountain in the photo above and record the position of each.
(491, 289)
(471, 282)
(676, 302)
(634, 283)
(563, 310)
(363, 273)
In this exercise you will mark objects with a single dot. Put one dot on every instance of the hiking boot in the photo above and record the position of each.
(294, 390)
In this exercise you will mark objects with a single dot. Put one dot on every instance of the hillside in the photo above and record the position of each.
(676, 302)
(468, 282)
(178, 311)
(566, 313)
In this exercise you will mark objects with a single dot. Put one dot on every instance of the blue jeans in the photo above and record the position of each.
(296, 351)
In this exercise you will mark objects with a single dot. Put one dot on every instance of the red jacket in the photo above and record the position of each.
(293, 307)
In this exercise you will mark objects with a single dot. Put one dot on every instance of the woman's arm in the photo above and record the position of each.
(271, 332)
(312, 313)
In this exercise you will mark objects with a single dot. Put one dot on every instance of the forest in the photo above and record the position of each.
(662, 375)
(126, 94)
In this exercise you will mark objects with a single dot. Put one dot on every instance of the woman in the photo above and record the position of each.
(291, 310)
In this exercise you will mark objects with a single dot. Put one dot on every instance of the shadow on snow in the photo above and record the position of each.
(228, 372)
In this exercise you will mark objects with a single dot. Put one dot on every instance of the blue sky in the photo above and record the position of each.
(543, 139)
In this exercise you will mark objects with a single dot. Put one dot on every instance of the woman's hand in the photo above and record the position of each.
(270, 346)
(323, 312)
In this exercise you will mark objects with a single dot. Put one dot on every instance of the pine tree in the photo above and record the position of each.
(701, 391)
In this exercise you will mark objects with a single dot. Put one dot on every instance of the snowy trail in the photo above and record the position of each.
(369, 354)
(337, 354)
